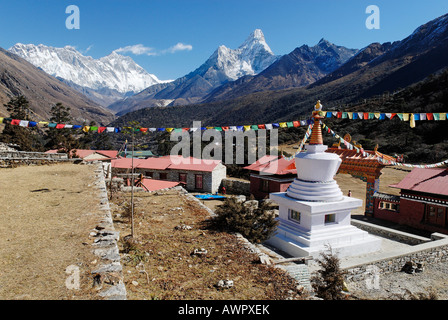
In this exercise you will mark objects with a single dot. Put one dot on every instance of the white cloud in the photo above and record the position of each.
(180, 47)
(137, 49)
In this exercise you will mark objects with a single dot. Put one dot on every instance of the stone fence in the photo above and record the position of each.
(234, 186)
(426, 251)
(389, 233)
(32, 155)
(10, 158)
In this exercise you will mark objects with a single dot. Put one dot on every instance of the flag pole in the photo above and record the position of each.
(132, 187)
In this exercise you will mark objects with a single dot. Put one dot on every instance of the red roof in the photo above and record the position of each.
(153, 184)
(428, 180)
(83, 153)
(192, 164)
(167, 162)
(274, 165)
(354, 155)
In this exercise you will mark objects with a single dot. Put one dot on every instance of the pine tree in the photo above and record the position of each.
(255, 224)
(61, 139)
(18, 108)
(329, 281)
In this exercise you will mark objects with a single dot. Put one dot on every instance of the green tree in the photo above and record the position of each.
(255, 223)
(61, 139)
(328, 283)
(18, 108)
(25, 138)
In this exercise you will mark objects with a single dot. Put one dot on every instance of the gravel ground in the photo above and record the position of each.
(401, 285)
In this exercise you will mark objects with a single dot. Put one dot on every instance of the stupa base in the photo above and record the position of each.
(349, 241)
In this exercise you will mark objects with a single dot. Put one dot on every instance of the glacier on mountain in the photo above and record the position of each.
(250, 58)
(114, 72)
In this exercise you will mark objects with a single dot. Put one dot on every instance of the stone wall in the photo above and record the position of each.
(211, 181)
(389, 233)
(424, 253)
(8, 154)
(14, 158)
(107, 275)
(234, 186)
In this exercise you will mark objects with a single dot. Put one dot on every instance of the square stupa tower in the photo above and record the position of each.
(313, 212)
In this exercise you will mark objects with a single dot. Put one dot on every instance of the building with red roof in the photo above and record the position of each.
(194, 174)
(92, 155)
(423, 201)
(271, 174)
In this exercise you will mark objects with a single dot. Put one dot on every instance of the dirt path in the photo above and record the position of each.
(45, 217)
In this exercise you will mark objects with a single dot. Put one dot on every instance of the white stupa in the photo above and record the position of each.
(313, 212)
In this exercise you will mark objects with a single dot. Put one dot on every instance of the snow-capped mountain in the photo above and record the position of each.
(301, 67)
(113, 72)
(224, 65)
(252, 57)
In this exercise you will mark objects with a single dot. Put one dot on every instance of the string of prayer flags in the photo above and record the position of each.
(380, 159)
(411, 117)
(302, 144)
(101, 129)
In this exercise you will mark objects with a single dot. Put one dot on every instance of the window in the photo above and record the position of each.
(294, 215)
(183, 177)
(264, 186)
(198, 181)
(149, 174)
(330, 218)
(388, 206)
(163, 175)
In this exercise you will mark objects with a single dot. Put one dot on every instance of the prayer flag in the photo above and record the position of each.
(23, 123)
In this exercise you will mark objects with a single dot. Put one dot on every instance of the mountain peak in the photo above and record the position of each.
(257, 34)
(114, 71)
(256, 37)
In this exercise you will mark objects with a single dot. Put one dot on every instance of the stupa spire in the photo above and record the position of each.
(316, 133)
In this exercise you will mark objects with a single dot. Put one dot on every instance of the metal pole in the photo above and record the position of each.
(132, 187)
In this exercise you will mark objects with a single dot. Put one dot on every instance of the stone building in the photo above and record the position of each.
(194, 174)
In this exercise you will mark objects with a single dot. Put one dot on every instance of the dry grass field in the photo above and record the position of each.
(45, 220)
(161, 262)
(46, 215)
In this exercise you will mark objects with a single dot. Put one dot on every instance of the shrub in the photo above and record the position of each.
(329, 281)
(256, 224)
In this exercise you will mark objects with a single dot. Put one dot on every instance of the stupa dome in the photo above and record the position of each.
(316, 169)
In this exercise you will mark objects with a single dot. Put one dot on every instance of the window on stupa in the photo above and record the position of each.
(294, 215)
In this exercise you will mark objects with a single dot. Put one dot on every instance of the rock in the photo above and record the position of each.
(199, 252)
(409, 267)
(183, 227)
(240, 198)
(224, 284)
(420, 267)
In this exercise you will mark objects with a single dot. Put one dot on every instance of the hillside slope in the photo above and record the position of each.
(19, 77)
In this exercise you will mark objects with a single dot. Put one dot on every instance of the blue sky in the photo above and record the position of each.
(170, 38)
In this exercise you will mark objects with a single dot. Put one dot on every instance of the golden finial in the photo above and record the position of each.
(316, 133)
